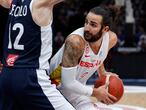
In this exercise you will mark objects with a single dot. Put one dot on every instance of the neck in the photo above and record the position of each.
(95, 46)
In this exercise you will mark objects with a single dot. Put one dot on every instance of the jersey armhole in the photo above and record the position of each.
(30, 6)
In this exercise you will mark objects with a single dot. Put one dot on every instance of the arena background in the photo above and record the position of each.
(127, 58)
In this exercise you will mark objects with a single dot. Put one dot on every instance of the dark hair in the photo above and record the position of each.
(107, 14)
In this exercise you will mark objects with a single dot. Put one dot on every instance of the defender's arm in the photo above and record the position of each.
(5, 3)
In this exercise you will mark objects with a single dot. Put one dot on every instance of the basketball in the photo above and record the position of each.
(115, 87)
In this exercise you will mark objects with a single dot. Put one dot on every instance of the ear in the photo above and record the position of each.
(106, 29)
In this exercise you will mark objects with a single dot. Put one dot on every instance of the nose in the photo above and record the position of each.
(87, 27)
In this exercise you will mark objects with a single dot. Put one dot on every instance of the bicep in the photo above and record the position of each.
(72, 52)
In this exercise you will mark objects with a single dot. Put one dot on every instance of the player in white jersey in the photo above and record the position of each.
(82, 54)
(24, 83)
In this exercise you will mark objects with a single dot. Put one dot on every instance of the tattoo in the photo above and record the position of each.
(74, 48)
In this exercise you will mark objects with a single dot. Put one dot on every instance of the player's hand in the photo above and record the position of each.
(102, 95)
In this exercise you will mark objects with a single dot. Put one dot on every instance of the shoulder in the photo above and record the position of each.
(75, 41)
(74, 48)
(112, 39)
(79, 31)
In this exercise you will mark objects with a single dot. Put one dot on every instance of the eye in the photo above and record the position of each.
(93, 25)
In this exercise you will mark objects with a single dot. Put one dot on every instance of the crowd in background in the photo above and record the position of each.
(130, 26)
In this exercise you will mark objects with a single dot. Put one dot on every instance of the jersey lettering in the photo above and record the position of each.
(88, 64)
(18, 10)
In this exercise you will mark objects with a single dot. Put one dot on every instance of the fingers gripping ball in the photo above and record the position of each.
(115, 87)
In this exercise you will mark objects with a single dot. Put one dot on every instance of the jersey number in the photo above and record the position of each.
(16, 44)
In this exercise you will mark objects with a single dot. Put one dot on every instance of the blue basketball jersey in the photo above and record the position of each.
(26, 45)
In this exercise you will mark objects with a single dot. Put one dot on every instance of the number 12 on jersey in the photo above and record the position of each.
(16, 44)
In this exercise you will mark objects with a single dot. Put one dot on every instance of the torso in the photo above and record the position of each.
(90, 61)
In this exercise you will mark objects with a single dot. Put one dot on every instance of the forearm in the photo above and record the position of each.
(70, 83)
(101, 70)
(5, 3)
(47, 3)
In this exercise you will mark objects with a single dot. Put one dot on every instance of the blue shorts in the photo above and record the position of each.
(29, 89)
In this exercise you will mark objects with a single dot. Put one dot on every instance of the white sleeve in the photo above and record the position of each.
(70, 83)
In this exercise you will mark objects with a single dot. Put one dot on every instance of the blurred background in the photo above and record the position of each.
(128, 57)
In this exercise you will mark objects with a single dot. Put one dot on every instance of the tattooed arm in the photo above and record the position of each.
(74, 47)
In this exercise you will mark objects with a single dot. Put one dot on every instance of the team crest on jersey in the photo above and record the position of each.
(11, 59)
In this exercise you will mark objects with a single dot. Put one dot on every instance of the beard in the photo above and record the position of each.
(92, 38)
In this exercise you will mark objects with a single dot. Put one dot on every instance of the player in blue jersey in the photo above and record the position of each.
(24, 84)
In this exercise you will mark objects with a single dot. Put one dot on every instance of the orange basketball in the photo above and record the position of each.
(115, 87)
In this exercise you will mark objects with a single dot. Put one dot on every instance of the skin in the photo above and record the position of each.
(5, 3)
(74, 48)
(42, 11)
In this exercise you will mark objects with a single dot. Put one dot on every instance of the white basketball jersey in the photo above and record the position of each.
(90, 61)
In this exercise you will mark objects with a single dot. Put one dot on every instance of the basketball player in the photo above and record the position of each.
(24, 83)
(83, 53)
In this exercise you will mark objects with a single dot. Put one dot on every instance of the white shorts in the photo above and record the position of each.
(87, 106)
(84, 103)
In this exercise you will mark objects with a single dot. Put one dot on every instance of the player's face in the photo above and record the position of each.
(93, 27)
